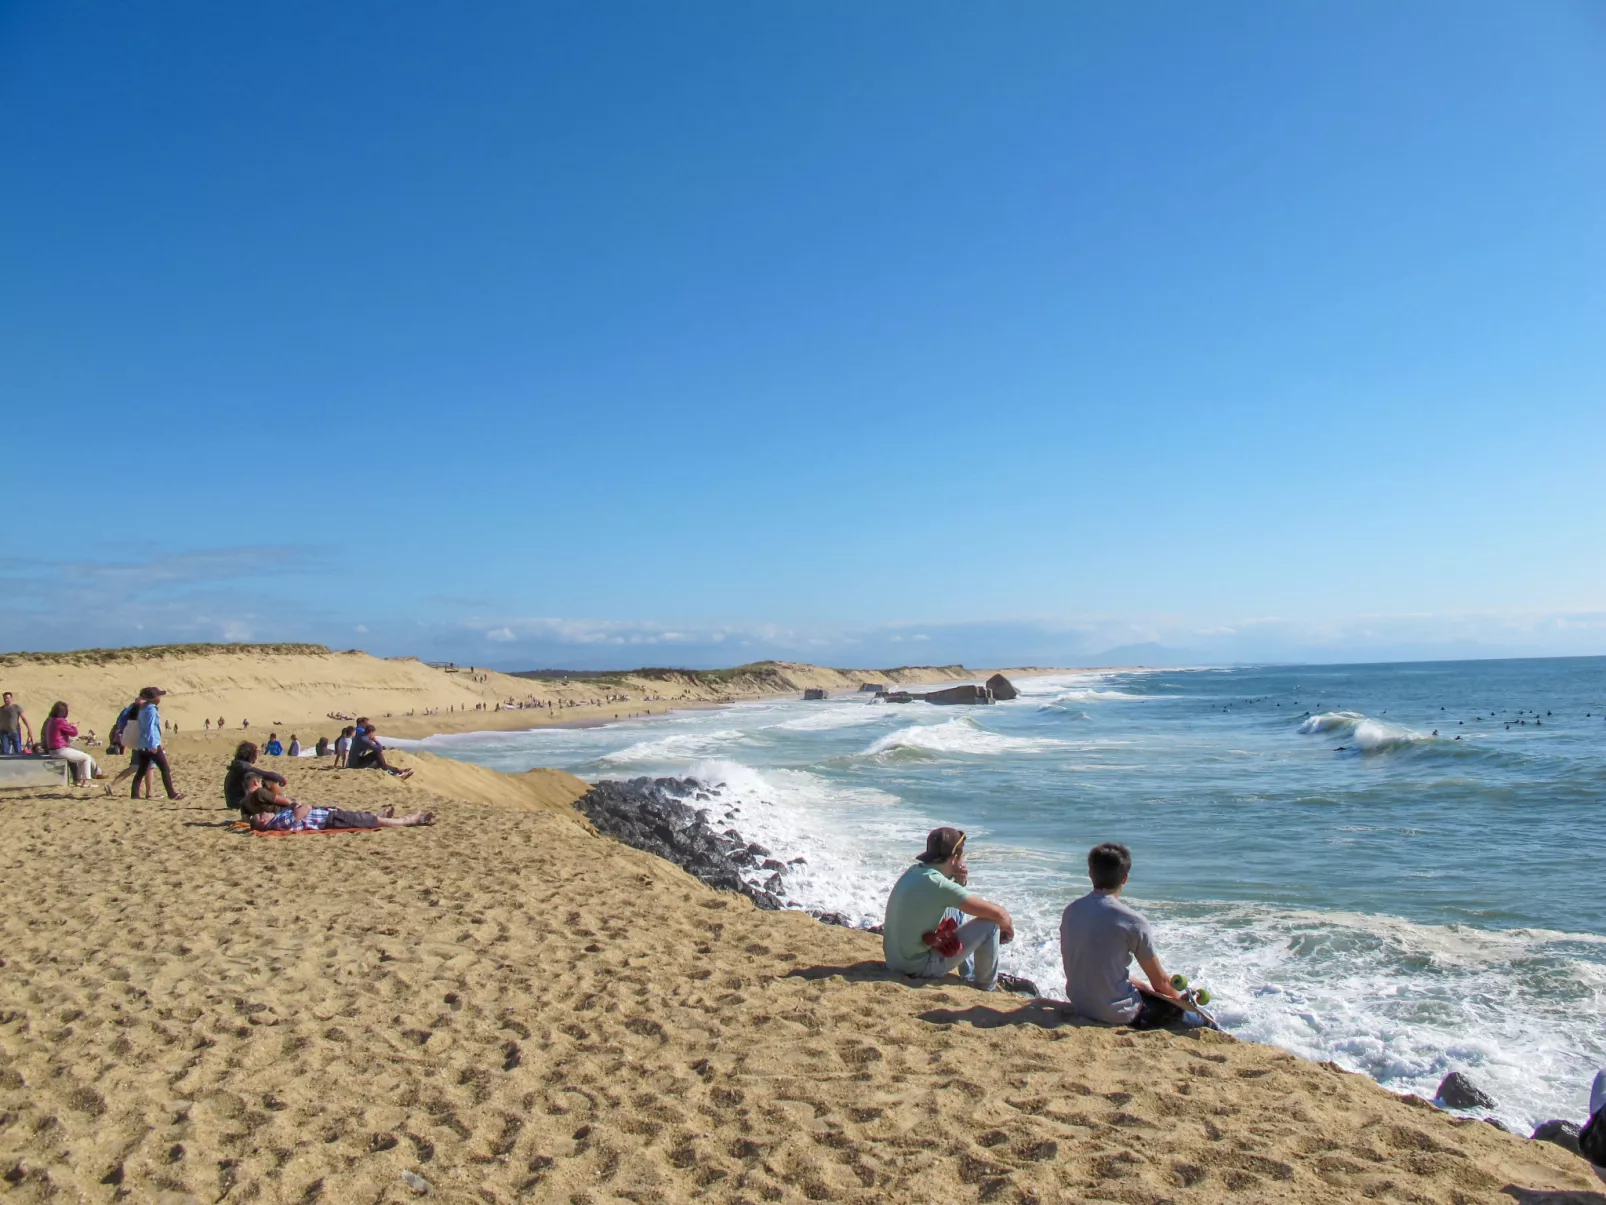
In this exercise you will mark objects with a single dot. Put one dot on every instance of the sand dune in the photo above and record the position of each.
(507, 1008)
(296, 687)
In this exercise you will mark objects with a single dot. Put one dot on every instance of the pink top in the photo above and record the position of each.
(58, 734)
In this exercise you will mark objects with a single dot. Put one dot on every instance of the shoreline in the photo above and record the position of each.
(527, 1010)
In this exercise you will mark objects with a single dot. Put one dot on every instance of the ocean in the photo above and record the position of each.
(1394, 867)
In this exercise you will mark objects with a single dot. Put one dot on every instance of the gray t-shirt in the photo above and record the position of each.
(1099, 936)
(11, 718)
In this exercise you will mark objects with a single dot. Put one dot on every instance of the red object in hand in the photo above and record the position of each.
(946, 939)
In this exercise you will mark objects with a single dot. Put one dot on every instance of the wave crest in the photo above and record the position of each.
(1369, 735)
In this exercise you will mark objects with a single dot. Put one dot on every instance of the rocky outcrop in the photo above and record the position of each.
(958, 695)
(1456, 1091)
(652, 814)
(1003, 689)
(1562, 1133)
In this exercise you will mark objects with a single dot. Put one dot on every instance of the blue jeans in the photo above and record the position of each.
(977, 959)
(10, 742)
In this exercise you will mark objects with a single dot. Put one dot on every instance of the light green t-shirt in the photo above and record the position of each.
(915, 907)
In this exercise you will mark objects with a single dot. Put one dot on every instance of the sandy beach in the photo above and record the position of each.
(508, 1007)
(294, 688)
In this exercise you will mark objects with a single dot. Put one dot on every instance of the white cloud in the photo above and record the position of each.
(502, 635)
(362, 627)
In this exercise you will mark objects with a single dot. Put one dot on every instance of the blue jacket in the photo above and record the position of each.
(273, 748)
(150, 727)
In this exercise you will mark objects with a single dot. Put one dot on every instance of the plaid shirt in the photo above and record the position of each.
(285, 821)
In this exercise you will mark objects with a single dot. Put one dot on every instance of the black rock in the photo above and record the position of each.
(832, 918)
(1456, 1091)
(1016, 983)
(772, 864)
(799, 861)
(1562, 1133)
(876, 929)
(652, 815)
(774, 885)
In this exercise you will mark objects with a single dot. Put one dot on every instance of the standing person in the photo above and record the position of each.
(367, 753)
(926, 903)
(125, 729)
(150, 752)
(58, 736)
(343, 747)
(12, 725)
(1099, 937)
(295, 745)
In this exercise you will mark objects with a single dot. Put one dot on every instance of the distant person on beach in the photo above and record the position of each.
(343, 746)
(244, 776)
(321, 749)
(923, 935)
(1099, 937)
(304, 818)
(12, 724)
(273, 748)
(58, 735)
(295, 745)
(149, 752)
(367, 753)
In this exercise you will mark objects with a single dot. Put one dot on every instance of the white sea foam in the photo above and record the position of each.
(679, 746)
(856, 840)
(840, 715)
(960, 735)
(1369, 735)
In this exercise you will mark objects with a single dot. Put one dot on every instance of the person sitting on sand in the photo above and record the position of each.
(273, 748)
(244, 776)
(922, 935)
(367, 753)
(321, 749)
(1099, 936)
(304, 818)
(343, 746)
(58, 737)
(295, 745)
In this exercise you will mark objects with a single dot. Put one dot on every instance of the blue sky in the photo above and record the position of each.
(588, 335)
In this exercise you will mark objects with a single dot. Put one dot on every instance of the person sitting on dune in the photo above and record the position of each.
(922, 935)
(304, 818)
(1099, 936)
(273, 748)
(244, 776)
(367, 753)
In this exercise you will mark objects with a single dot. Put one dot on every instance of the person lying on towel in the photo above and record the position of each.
(304, 818)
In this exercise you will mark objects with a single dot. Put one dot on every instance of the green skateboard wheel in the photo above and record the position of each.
(1179, 982)
(1202, 996)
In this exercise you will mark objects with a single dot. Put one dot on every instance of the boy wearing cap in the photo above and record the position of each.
(149, 751)
(914, 938)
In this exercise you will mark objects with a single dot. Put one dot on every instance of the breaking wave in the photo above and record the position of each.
(1366, 734)
(959, 735)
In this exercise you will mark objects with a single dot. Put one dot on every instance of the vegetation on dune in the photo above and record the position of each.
(754, 675)
(151, 652)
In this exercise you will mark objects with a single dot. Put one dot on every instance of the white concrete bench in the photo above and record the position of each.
(34, 770)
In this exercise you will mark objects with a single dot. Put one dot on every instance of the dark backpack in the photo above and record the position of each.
(1592, 1139)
